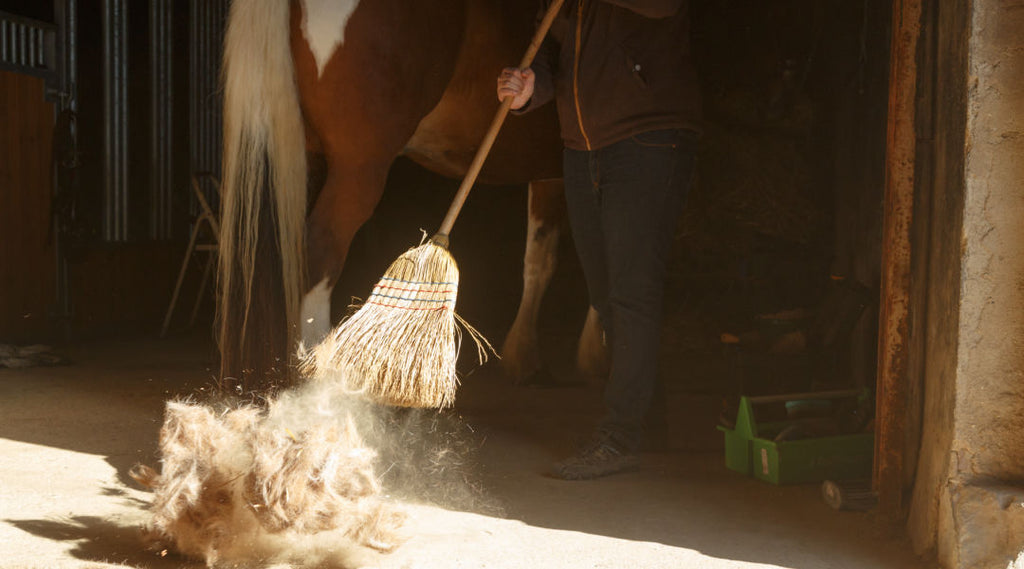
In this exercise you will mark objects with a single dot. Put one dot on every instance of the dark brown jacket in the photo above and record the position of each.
(630, 72)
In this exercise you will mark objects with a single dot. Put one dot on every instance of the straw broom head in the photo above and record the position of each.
(401, 346)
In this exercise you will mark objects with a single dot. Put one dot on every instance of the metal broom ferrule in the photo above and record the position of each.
(440, 239)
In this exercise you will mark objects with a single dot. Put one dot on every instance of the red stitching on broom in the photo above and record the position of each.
(392, 279)
(442, 307)
(383, 287)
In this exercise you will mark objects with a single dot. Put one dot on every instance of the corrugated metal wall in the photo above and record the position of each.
(208, 18)
(153, 68)
(161, 112)
(27, 46)
(115, 114)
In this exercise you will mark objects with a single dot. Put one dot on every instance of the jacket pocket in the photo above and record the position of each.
(664, 138)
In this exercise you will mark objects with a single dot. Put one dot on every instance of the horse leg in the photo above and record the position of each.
(315, 309)
(520, 354)
(316, 313)
(346, 202)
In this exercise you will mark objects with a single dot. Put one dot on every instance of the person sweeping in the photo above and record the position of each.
(629, 108)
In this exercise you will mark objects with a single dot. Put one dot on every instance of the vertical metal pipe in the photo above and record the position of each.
(155, 125)
(211, 85)
(115, 107)
(201, 108)
(218, 122)
(64, 52)
(109, 128)
(206, 39)
(23, 45)
(123, 126)
(19, 44)
(193, 89)
(168, 135)
(200, 94)
(66, 16)
(71, 51)
(161, 110)
(207, 61)
(41, 55)
(168, 115)
(37, 48)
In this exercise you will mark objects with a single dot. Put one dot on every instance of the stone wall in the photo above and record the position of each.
(968, 503)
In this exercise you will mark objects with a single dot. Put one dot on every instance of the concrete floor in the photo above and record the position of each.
(68, 436)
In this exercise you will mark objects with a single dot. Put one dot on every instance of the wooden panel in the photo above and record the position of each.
(27, 263)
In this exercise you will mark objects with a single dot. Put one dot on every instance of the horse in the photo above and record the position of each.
(320, 97)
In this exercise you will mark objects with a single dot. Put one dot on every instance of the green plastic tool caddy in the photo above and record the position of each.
(751, 447)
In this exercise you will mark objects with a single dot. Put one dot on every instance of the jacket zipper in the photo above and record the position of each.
(576, 72)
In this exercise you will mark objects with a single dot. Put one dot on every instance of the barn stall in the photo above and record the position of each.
(835, 158)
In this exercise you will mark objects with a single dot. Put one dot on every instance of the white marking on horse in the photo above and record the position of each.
(323, 25)
(316, 314)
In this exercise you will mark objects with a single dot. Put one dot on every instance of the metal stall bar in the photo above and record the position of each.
(66, 50)
(26, 46)
(115, 111)
(208, 18)
(161, 158)
(65, 167)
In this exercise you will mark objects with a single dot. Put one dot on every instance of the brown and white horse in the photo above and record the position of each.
(351, 85)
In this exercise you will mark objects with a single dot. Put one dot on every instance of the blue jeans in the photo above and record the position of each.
(624, 204)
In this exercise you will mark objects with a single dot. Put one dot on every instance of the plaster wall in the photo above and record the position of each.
(990, 398)
(986, 510)
(969, 498)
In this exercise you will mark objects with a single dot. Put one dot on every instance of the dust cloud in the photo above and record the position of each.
(315, 476)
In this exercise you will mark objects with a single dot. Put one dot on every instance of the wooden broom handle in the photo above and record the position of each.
(441, 237)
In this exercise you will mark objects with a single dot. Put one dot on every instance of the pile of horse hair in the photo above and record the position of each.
(287, 482)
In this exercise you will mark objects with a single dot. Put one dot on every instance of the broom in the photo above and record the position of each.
(401, 346)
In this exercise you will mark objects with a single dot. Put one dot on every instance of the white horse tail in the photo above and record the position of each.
(263, 193)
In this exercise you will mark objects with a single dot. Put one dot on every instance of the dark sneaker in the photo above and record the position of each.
(600, 458)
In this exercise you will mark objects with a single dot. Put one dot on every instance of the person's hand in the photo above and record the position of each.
(515, 83)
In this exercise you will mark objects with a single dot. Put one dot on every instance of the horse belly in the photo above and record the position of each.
(528, 147)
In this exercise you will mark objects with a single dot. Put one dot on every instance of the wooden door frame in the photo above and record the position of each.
(894, 384)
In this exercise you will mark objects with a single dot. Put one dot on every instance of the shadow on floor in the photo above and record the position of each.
(679, 498)
(102, 541)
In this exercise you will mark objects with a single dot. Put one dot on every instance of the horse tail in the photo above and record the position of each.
(263, 195)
